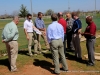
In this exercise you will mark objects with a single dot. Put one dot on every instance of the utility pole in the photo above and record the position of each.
(68, 6)
(95, 6)
(31, 8)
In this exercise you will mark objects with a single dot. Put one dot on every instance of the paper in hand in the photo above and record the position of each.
(37, 31)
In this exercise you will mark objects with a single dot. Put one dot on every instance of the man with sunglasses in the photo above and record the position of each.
(28, 29)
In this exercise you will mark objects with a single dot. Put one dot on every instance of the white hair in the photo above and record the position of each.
(15, 17)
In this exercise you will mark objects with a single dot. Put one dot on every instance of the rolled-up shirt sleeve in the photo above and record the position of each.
(36, 23)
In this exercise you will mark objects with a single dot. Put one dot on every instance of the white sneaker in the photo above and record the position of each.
(15, 70)
(31, 55)
(45, 51)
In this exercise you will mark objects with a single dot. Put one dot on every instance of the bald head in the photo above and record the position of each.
(88, 19)
(16, 19)
(68, 15)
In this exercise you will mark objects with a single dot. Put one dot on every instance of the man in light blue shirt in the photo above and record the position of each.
(55, 35)
(55, 31)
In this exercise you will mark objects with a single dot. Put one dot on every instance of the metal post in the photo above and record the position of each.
(31, 9)
(95, 9)
(95, 6)
(68, 6)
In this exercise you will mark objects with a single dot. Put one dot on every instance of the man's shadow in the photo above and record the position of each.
(43, 64)
(47, 55)
(5, 62)
(23, 52)
(73, 58)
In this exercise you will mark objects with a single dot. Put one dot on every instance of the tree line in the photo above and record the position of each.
(24, 11)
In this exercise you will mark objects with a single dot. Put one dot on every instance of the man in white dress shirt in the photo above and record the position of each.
(28, 29)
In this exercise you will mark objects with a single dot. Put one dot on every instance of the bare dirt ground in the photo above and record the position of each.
(33, 69)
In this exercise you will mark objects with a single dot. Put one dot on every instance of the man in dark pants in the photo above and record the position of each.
(63, 22)
(70, 22)
(89, 34)
(77, 27)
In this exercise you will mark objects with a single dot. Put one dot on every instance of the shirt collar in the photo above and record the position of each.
(39, 18)
(13, 22)
(54, 21)
(28, 20)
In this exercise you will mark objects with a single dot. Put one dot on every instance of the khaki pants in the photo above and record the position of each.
(12, 49)
(45, 40)
(57, 50)
(76, 41)
(32, 38)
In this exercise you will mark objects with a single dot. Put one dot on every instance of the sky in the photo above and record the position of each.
(12, 6)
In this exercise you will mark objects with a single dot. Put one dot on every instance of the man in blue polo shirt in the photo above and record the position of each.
(39, 23)
(77, 27)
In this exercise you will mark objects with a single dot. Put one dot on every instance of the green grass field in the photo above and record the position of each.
(24, 59)
(22, 39)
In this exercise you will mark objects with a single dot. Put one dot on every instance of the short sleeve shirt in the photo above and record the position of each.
(28, 25)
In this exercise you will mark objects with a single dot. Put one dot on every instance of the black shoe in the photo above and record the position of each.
(90, 64)
(79, 59)
(64, 70)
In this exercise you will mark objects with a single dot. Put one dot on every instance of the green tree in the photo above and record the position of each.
(23, 11)
(49, 12)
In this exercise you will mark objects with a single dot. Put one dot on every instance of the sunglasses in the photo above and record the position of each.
(30, 18)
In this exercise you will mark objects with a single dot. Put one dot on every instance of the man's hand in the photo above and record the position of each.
(27, 37)
(82, 34)
(44, 33)
(79, 31)
(3, 41)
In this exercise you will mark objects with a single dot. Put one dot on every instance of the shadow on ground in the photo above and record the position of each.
(47, 55)
(5, 62)
(43, 64)
(73, 58)
(23, 52)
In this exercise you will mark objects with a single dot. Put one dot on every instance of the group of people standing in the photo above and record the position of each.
(55, 37)
(30, 27)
